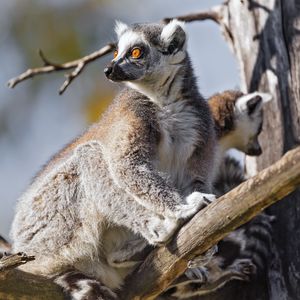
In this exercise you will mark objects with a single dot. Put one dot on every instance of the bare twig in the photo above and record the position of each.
(218, 14)
(212, 224)
(78, 65)
(214, 14)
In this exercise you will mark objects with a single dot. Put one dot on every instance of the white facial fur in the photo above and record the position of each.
(120, 28)
(127, 40)
(246, 126)
(241, 103)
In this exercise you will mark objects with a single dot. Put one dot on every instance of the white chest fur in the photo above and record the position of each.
(179, 136)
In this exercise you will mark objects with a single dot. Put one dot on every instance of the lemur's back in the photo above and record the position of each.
(56, 202)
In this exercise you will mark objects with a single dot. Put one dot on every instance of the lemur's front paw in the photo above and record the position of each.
(200, 274)
(203, 259)
(161, 230)
(245, 267)
(194, 202)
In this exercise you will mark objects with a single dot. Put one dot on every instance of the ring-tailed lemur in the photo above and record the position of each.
(131, 173)
(244, 252)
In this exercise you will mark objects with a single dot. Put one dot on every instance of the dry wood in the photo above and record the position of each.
(78, 65)
(12, 261)
(212, 224)
(16, 284)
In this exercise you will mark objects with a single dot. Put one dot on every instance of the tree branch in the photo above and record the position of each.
(212, 224)
(78, 65)
(16, 284)
(214, 14)
(13, 261)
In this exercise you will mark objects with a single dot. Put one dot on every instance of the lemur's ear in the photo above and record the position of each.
(252, 103)
(120, 28)
(173, 36)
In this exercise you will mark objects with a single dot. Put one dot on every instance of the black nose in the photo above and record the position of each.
(107, 71)
(254, 151)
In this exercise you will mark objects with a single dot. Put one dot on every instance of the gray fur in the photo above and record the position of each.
(241, 255)
(131, 175)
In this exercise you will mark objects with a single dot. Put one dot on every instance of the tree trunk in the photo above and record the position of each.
(265, 37)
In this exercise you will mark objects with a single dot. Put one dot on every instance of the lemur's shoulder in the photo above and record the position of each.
(130, 112)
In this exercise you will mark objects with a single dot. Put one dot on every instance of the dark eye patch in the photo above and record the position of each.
(143, 48)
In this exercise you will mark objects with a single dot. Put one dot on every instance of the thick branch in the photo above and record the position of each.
(212, 224)
(78, 65)
(16, 284)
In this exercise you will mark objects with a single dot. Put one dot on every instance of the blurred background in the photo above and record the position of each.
(35, 122)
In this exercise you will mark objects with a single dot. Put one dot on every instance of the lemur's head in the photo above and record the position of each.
(147, 53)
(239, 119)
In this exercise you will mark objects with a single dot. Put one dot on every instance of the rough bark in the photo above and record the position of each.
(212, 224)
(16, 284)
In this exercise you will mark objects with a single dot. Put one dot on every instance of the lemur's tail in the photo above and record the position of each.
(255, 237)
(79, 286)
(230, 175)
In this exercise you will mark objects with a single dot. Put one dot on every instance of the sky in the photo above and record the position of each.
(35, 122)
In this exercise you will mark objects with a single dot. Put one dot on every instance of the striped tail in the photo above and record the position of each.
(242, 255)
(79, 286)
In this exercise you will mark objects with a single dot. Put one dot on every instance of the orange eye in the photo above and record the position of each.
(115, 53)
(136, 53)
